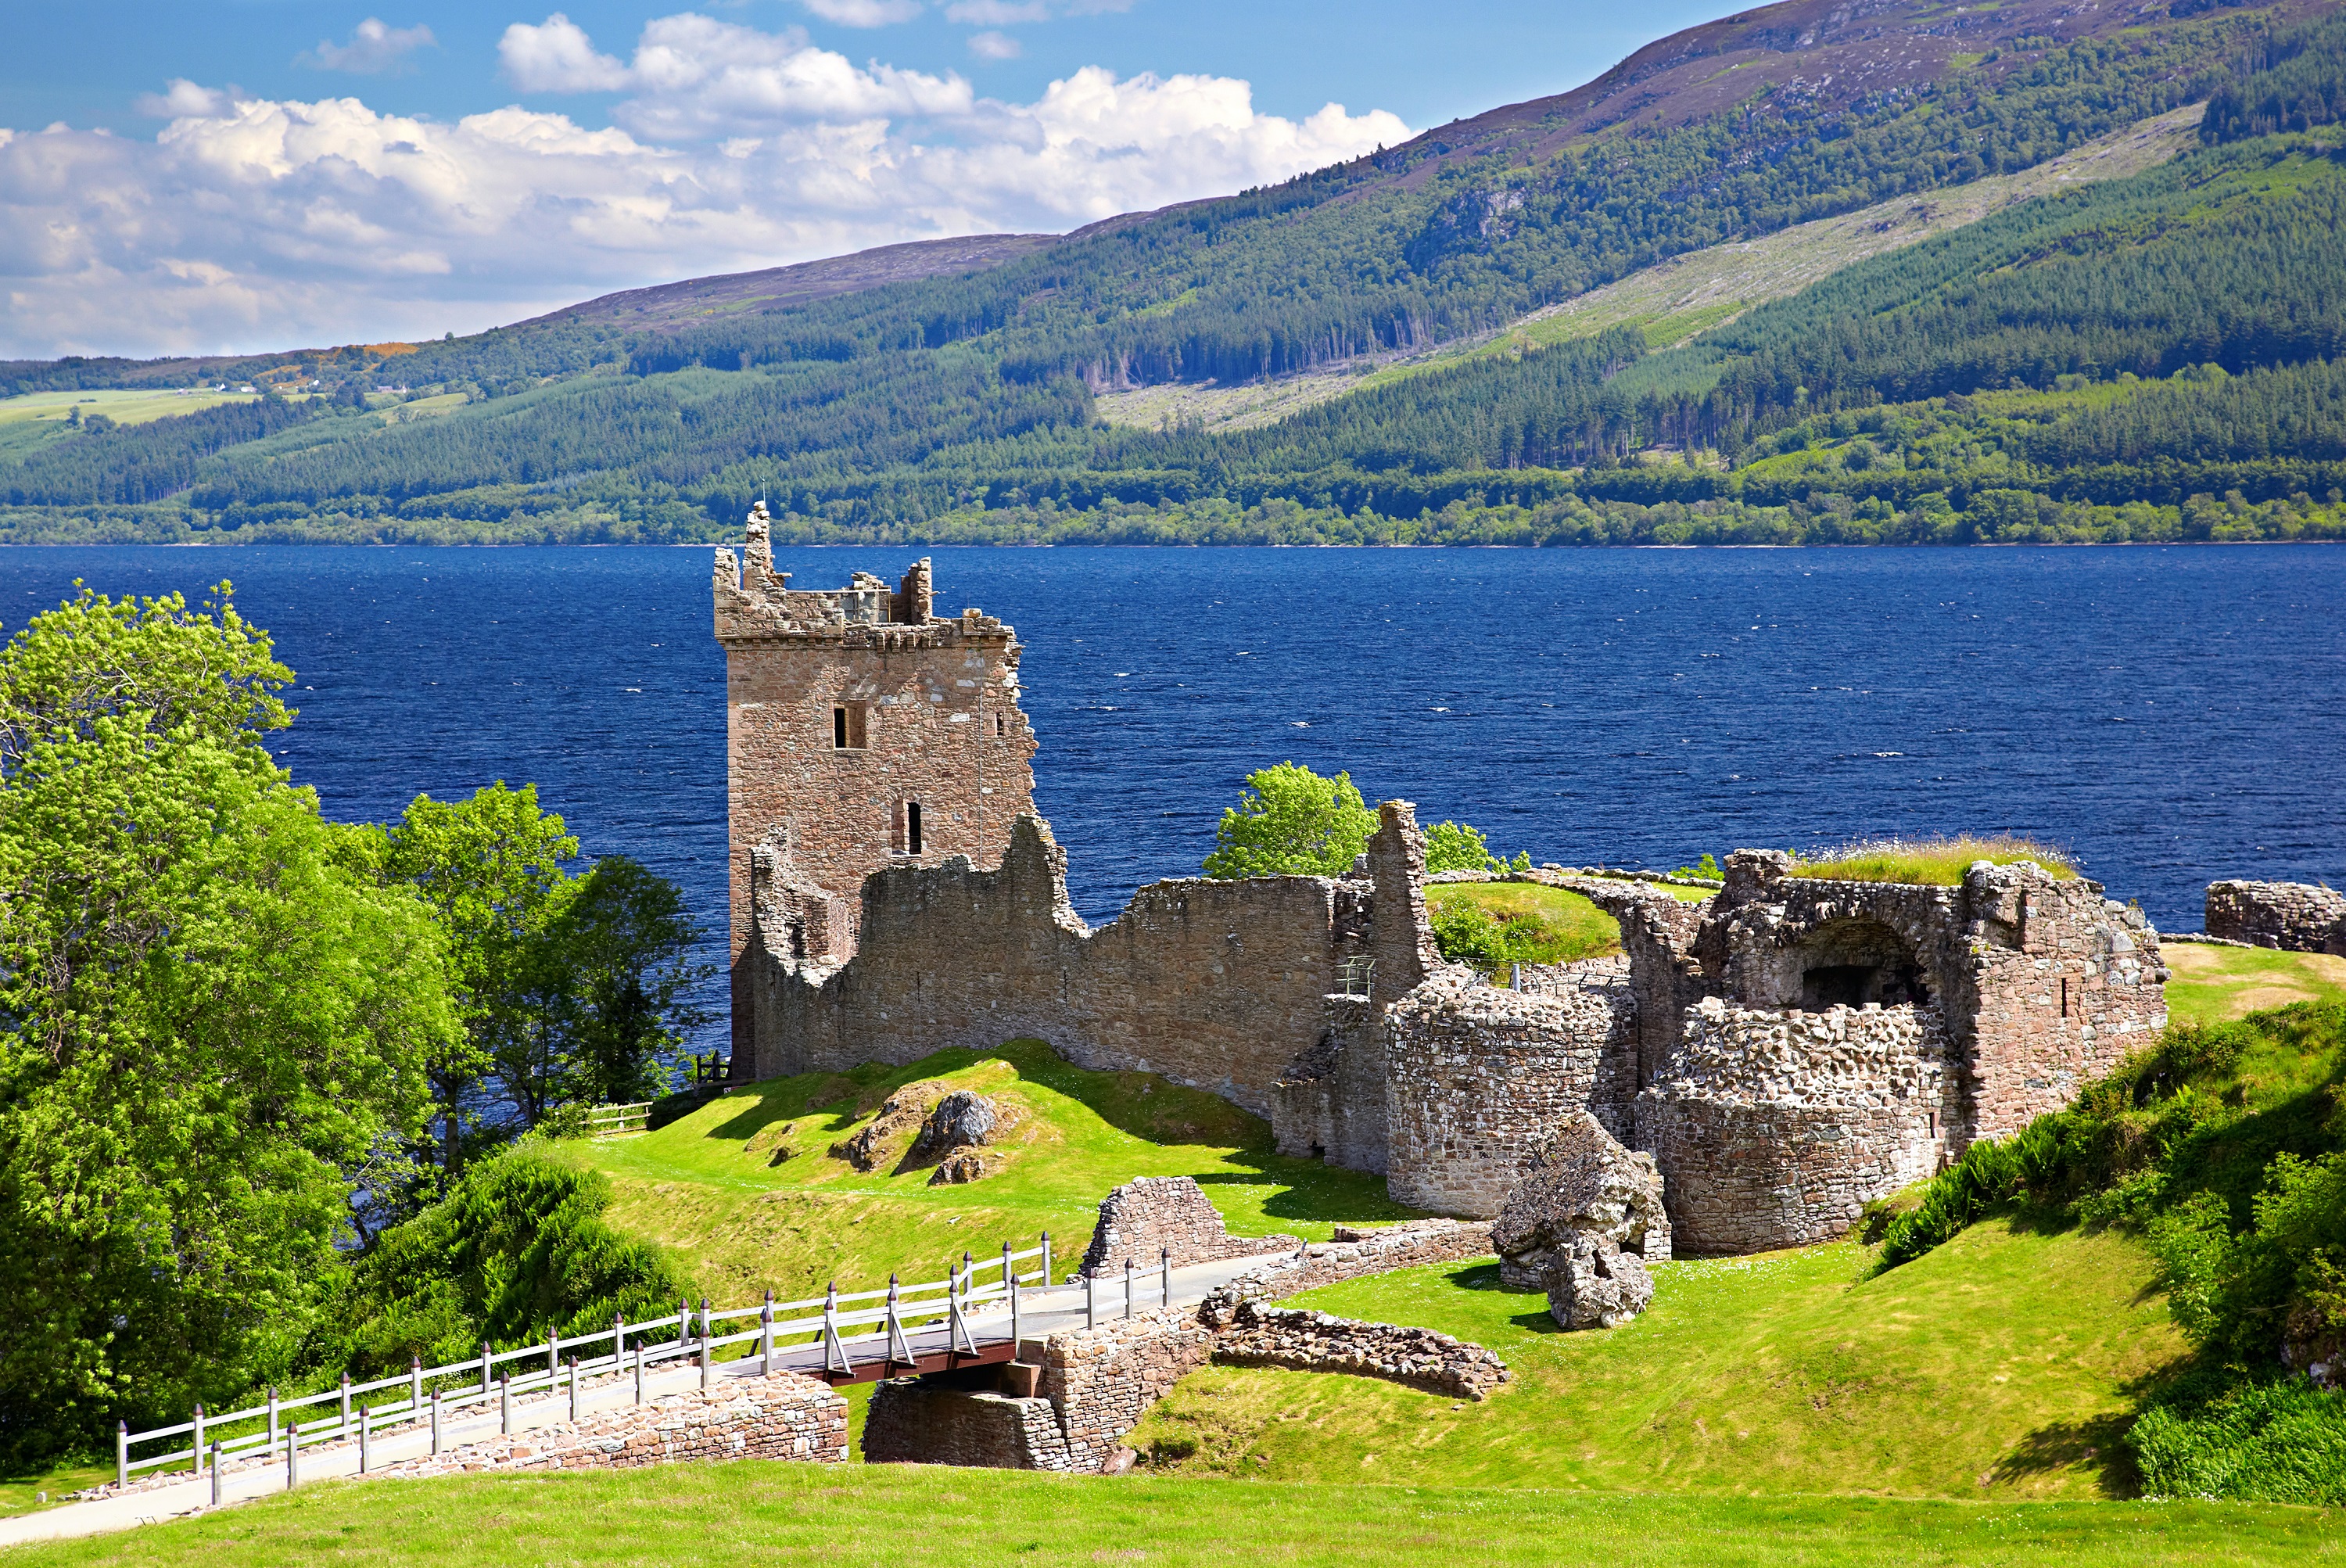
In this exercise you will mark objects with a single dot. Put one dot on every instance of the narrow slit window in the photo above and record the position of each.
(839, 728)
(912, 827)
(1001, 727)
(847, 726)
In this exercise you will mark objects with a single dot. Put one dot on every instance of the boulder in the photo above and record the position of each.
(1596, 1285)
(962, 1120)
(1581, 1183)
(957, 1169)
(903, 1112)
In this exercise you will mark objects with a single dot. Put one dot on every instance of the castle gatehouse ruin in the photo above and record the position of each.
(1787, 1049)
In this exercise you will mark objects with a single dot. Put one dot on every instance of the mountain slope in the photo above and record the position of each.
(952, 406)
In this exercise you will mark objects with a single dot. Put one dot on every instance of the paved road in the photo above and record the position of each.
(1043, 1311)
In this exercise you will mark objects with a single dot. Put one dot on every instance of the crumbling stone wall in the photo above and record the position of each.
(1172, 1212)
(929, 709)
(1220, 986)
(1253, 1336)
(1476, 1075)
(2296, 917)
(1355, 1252)
(784, 1416)
(1774, 1128)
(934, 1421)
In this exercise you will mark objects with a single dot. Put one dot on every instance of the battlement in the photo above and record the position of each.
(756, 603)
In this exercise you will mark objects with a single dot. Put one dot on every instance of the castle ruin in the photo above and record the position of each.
(1786, 1050)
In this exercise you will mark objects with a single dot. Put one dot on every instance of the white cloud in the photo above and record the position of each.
(184, 100)
(374, 49)
(997, 12)
(250, 222)
(557, 57)
(864, 13)
(991, 46)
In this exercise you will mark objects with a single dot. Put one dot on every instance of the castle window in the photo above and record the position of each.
(847, 726)
(1852, 963)
(1001, 727)
(912, 827)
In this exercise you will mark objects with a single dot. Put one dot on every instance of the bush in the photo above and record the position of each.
(2265, 1440)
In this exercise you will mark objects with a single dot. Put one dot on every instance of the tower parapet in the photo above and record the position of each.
(863, 731)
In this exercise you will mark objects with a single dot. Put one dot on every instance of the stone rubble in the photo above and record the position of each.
(962, 1119)
(1594, 1284)
(1318, 1342)
(1580, 1183)
(905, 1110)
(1149, 1213)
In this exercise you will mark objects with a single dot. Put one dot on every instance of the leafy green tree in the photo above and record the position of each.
(207, 1023)
(1457, 846)
(1290, 821)
(517, 1250)
(570, 987)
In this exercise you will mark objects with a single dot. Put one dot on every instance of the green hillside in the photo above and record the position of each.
(964, 407)
(745, 1193)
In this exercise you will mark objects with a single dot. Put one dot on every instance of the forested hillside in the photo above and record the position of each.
(2150, 357)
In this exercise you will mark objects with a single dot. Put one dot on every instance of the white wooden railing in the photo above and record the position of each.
(612, 1121)
(839, 1324)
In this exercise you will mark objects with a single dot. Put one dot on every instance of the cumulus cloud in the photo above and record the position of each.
(374, 49)
(991, 46)
(864, 13)
(251, 222)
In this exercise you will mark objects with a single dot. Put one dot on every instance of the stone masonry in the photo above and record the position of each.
(861, 732)
(1148, 1215)
(781, 1417)
(1307, 1341)
(2296, 917)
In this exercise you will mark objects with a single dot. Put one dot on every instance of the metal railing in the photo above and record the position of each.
(433, 1394)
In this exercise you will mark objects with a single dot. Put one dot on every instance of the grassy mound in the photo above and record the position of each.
(746, 1194)
(1931, 862)
(2213, 984)
(1527, 923)
(1998, 1367)
(915, 1515)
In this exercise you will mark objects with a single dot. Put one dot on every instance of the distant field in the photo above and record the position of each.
(2213, 983)
(122, 407)
(754, 1512)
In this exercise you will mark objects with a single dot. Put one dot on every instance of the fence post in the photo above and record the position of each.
(683, 1323)
(1127, 1287)
(1165, 1273)
(122, 1453)
(366, 1440)
(831, 1329)
(216, 1476)
(488, 1365)
(1091, 1301)
(1046, 1259)
(199, 1444)
(765, 1336)
(414, 1387)
(272, 1420)
(292, 1461)
(708, 1350)
(619, 1341)
(505, 1407)
(639, 1374)
(346, 1404)
(968, 1274)
(1014, 1317)
(435, 1420)
(553, 1356)
(574, 1390)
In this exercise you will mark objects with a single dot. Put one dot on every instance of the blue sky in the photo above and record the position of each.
(192, 177)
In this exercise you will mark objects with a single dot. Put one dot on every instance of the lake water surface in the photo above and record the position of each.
(2168, 715)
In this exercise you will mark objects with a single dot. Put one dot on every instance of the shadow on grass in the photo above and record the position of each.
(2098, 1444)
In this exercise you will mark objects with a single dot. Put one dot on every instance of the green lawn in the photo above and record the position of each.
(708, 1187)
(1996, 1367)
(764, 1513)
(2210, 985)
(1564, 926)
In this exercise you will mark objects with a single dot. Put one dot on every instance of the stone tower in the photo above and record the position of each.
(861, 732)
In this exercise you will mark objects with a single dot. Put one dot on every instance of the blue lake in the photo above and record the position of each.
(2168, 715)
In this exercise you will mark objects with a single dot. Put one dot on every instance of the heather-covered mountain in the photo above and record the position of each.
(2163, 342)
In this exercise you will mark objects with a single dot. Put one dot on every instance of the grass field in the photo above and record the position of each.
(1933, 862)
(710, 1188)
(2210, 985)
(1998, 1366)
(754, 1512)
(1562, 926)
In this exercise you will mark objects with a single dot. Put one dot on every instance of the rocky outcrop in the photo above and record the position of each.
(1152, 1215)
(1255, 1335)
(1594, 1284)
(1581, 1184)
(962, 1120)
(903, 1111)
